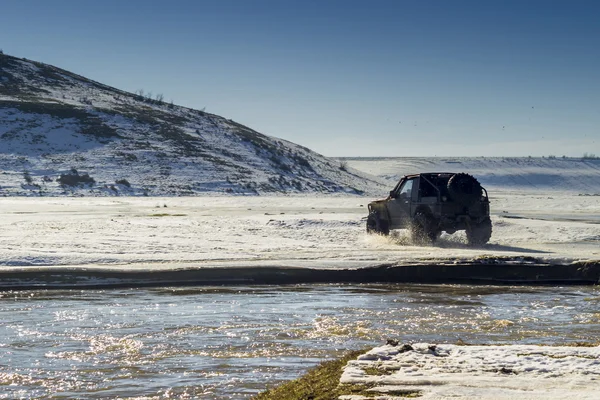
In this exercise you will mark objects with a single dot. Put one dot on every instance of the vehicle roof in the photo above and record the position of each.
(429, 174)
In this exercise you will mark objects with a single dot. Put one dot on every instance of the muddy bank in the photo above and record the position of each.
(485, 272)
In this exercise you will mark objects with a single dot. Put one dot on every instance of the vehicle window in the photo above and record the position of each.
(406, 189)
(427, 190)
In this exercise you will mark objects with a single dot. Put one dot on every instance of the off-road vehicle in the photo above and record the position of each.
(431, 203)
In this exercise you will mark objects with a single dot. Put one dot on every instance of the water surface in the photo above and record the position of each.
(224, 342)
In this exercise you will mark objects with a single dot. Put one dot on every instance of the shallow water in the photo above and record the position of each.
(218, 342)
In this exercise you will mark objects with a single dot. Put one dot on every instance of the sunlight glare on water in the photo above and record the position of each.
(219, 342)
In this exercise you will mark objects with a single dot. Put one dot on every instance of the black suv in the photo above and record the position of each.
(431, 203)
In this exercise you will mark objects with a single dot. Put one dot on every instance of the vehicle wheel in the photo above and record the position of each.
(464, 189)
(479, 234)
(376, 225)
(422, 230)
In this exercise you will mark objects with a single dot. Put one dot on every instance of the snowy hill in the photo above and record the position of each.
(61, 133)
(498, 173)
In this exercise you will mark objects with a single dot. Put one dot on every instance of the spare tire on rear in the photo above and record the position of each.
(464, 189)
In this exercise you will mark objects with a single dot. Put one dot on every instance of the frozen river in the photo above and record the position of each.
(217, 342)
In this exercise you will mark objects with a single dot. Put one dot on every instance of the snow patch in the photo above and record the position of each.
(436, 371)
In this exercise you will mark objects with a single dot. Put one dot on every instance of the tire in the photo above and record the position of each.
(423, 230)
(376, 225)
(480, 234)
(464, 189)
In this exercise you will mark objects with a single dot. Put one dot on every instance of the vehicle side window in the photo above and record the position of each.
(427, 190)
(406, 189)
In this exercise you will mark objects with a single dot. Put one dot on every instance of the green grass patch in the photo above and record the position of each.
(323, 383)
(377, 371)
(320, 383)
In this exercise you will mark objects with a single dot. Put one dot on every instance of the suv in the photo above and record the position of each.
(431, 203)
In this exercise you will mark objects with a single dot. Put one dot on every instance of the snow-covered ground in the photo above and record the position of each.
(131, 232)
(476, 372)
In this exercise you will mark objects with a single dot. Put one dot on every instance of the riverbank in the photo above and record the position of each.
(320, 383)
(264, 240)
(457, 371)
(482, 272)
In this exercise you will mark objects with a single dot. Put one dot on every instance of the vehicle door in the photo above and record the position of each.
(399, 205)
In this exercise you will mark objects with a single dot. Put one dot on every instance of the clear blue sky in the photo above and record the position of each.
(345, 78)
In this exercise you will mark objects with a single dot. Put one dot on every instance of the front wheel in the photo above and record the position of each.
(376, 225)
(479, 234)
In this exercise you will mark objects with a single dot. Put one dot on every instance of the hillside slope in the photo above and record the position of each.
(61, 133)
(499, 173)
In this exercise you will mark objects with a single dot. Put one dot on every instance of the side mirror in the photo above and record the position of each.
(392, 194)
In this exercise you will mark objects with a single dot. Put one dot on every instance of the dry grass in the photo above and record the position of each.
(323, 383)
(320, 383)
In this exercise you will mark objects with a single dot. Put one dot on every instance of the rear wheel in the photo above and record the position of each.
(377, 225)
(423, 230)
(479, 234)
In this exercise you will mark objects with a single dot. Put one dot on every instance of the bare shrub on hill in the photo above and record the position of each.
(73, 179)
(27, 177)
(123, 182)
